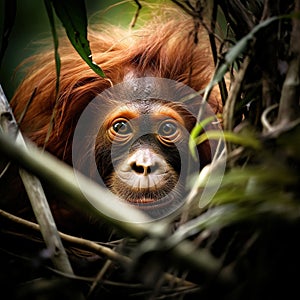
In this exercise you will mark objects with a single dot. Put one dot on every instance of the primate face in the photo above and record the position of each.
(148, 145)
(134, 141)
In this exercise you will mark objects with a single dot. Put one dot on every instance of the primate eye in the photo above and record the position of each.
(167, 129)
(122, 127)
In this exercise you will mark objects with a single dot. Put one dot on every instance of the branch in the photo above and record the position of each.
(62, 178)
(72, 240)
(36, 193)
(91, 246)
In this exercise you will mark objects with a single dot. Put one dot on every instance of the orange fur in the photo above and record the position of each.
(164, 48)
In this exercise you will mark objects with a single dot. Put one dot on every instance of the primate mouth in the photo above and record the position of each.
(142, 200)
(139, 194)
(143, 183)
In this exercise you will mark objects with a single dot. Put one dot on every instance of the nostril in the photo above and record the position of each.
(146, 163)
(138, 169)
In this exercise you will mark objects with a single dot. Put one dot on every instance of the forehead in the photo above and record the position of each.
(147, 109)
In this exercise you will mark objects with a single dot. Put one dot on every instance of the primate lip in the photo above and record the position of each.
(139, 194)
(141, 182)
(142, 200)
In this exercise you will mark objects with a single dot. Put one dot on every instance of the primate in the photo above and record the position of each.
(129, 130)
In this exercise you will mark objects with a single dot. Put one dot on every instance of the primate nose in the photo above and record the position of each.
(144, 168)
(145, 162)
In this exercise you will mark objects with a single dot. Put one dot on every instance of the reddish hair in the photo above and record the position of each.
(164, 48)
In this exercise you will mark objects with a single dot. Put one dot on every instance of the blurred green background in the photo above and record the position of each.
(32, 25)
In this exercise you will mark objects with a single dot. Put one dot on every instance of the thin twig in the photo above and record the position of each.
(100, 277)
(188, 11)
(264, 118)
(136, 15)
(88, 245)
(72, 240)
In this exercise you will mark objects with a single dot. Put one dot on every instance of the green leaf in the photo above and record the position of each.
(73, 16)
(246, 141)
(195, 133)
(55, 40)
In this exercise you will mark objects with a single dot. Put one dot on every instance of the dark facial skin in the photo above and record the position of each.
(145, 144)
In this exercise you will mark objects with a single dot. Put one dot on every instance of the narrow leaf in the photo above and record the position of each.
(246, 141)
(236, 51)
(195, 133)
(73, 16)
(55, 40)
